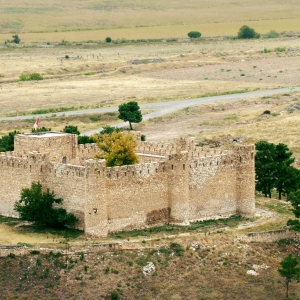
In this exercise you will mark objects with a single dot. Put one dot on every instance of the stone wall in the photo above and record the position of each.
(190, 183)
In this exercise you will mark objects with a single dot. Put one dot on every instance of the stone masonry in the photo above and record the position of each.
(177, 182)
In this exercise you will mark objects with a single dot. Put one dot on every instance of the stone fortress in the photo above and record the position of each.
(177, 182)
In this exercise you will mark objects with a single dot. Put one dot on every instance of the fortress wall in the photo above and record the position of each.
(58, 145)
(156, 148)
(69, 183)
(212, 190)
(17, 173)
(196, 152)
(86, 151)
(245, 181)
(137, 196)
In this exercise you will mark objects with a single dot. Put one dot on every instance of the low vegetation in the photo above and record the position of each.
(37, 206)
(30, 77)
(247, 32)
(194, 34)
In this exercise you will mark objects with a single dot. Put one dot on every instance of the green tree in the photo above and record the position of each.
(264, 167)
(109, 130)
(130, 112)
(36, 206)
(194, 34)
(294, 198)
(16, 39)
(273, 169)
(71, 129)
(284, 172)
(289, 270)
(7, 141)
(82, 139)
(247, 32)
(108, 39)
(118, 148)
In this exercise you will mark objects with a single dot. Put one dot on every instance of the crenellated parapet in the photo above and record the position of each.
(174, 182)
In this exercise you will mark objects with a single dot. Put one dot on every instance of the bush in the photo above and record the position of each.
(108, 40)
(114, 295)
(32, 76)
(143, 138)
(194, 34)
(272, 34)
(109, 130)
(84, 139)
(42, 129)
(16, 39)
(36, 206)
(71, 129)
(247, 32)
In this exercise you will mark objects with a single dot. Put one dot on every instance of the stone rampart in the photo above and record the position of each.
(179, 183)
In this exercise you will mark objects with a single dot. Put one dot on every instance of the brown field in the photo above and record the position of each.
(94, 20)
(94, 76)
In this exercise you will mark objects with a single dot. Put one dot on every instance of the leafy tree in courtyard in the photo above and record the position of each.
(118, 148)
(194, 34)
(273, 169)
(36, 206)
(289, 270)
(130, 112)
(247, 32)
(7, 141)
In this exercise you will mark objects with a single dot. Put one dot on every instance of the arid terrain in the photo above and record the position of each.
(152, 60)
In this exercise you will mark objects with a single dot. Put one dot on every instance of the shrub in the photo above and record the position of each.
(36, 206)
(67, 56)
(194, 34)
(114, 295)
(280, 49)
(108, 40)
(16, 39)
(247, 32)
(143, 138)
(109, 130)
(42, 129)
(272, 34)
(71, 129)
(29, 77)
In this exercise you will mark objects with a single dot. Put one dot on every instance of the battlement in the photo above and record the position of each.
(175, 182)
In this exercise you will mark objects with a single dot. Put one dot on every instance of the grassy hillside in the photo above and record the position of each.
(143, 18)
(206, 260)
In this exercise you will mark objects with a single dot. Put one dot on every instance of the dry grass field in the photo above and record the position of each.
(94, 20)
(96, 76)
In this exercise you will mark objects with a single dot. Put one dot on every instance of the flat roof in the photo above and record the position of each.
(44, 134)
